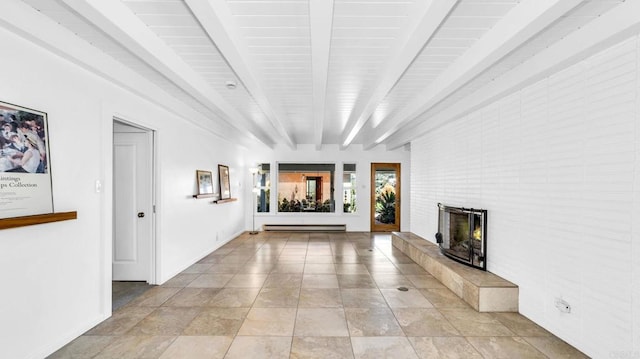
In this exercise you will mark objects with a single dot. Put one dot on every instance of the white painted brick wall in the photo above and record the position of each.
(557, 165)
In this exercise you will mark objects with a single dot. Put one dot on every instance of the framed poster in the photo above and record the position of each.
(205, 182)
(225, 187)
(25, 171)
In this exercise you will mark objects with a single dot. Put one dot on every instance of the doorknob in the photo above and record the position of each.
(140, 214)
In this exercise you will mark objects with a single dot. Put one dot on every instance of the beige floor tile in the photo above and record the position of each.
(444, 348)
(86, 346)
(284, 280)
(265, 257)
(236, 258)
(295, 251)
(283, 267)
(319, 281)
(197, 268)
(217, 322)
(258, 268)
(411, 268)
(234, 297)
(505, 348)
(319, 258)
(351, 268)
(380, 268)
(351, 258)
(554, 347)
(443, 298)
(382, 348)
(134, 347)
(370, 322)
(198, 347)
(320, 298)
(520, 325)
(277, 298)
(350, 281)
(472, 323)
(165, 321)
(319, 268)
(424, 322)
(269, 322)
(292, 258)
(321, 348)
(154, 297)
(321, 322)
(362, 298)
(409, 299)
(192, 297)
(302, 312)
(425, 281)
(260, 347)
(228, 268)
(121, 321)
(247, 281)
(210, 281)
(398, 257)
(391, 281)
(211, 259)
(182, 279)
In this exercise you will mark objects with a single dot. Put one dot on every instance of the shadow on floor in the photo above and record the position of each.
(124, 292)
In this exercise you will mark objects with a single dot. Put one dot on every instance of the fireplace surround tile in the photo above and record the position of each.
(483, 291)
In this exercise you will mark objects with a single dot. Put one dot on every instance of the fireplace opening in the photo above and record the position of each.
(462, 235)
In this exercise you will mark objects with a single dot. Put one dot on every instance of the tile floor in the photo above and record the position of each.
(124, 292)
(310, 295)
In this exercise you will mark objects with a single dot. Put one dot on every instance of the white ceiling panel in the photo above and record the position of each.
(157, 7)
(319, 71)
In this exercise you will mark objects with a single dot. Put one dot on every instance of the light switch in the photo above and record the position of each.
(98, 186)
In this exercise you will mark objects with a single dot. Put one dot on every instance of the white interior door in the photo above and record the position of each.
(132, 217)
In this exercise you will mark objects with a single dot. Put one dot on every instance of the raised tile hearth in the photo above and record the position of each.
(483, 291)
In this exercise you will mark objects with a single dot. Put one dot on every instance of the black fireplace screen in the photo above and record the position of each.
(462, 234)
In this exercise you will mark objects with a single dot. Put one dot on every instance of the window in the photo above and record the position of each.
(305, 187)
(349, 187)
(263, 188)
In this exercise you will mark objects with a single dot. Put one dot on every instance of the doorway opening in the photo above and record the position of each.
(133, 244)
(385, 197)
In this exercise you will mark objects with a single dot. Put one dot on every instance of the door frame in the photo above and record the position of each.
(153, 268)
(382, 227)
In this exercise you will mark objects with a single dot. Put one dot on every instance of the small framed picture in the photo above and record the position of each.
(205, 182)
(225, 186)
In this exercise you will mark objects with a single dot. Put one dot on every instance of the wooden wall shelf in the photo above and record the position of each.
(37, 219)
(206, 195)
(225, 200)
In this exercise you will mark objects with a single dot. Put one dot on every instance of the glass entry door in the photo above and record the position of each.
(385, 197)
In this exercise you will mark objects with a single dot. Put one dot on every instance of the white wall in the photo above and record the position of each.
(56, 277)
(557, 166)
(359, 221)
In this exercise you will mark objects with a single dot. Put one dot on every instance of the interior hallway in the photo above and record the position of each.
(310, 295)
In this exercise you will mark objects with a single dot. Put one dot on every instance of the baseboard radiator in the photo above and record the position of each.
(305, 227)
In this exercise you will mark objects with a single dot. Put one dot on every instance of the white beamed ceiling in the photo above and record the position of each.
(322, 72)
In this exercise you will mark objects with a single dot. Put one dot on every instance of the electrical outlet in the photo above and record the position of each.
(563, 306)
